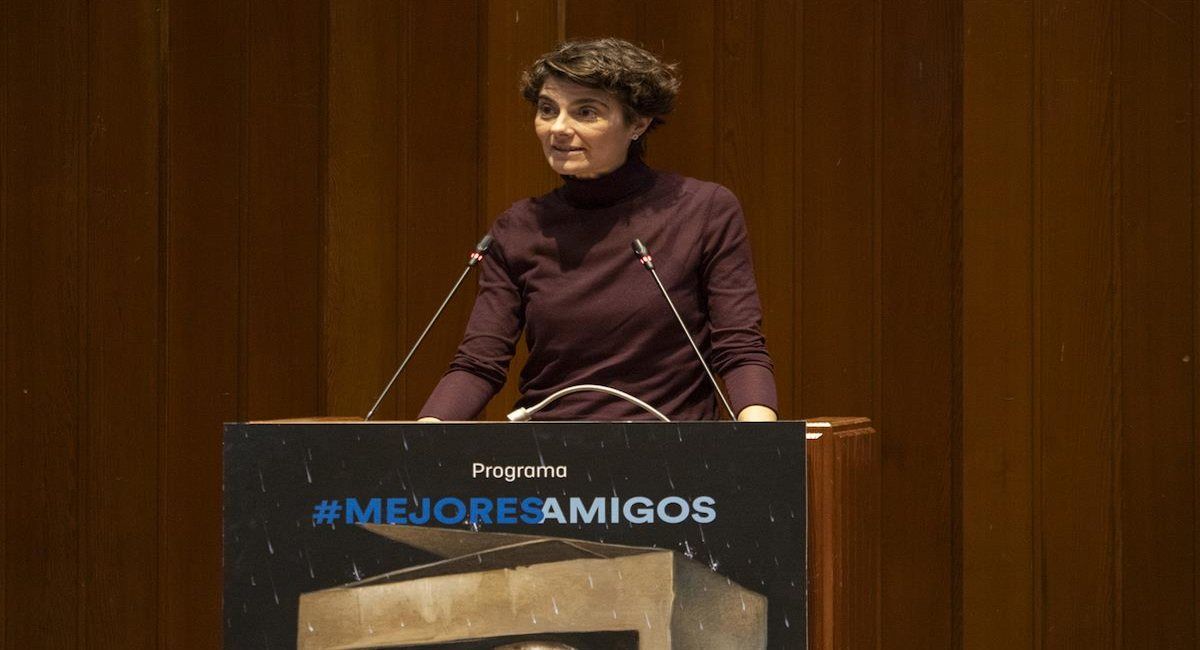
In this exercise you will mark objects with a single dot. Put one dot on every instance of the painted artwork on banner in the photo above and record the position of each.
(537, 536)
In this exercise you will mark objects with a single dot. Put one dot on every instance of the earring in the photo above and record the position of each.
(635, 135)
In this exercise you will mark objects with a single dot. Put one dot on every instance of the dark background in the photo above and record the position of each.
(973, 221)
(275, 474)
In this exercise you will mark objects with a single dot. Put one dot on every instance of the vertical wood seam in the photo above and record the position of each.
(400, 218)
(243, 152)
(83, 40)
(1116, 338)
(797, 269)
(322, 240)
(560, 20)
(1037, 542)
(162, 356)
(957, 424)
(718, 40)
(481, 129)
(876, 396)
(4, 312)
(402, 227)
(1195, 319)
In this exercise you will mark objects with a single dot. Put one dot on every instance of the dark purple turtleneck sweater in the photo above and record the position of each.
(562, 270)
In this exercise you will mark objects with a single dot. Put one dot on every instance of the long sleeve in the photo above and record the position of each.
(738, 351)
(479, 367)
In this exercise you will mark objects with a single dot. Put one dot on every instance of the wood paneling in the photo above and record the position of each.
(119, 450)
(206, 111)
(998, 383)
(442, 172)
(366, 137)
(522, 30)
(280, 250)
(836, 352)
(45, 65)
(1157, 569)
(917, 306)
(686, 143)
(1078, 359)
(754, 81)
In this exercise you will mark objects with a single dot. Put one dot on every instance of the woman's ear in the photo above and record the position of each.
(640, 125)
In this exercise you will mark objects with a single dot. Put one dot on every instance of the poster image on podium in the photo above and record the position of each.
(515, 536)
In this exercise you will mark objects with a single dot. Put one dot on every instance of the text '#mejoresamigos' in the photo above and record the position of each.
(451, 511)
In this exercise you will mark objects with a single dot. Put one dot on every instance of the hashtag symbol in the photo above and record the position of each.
(326, 512)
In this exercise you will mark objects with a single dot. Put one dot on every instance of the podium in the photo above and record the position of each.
(638, 535)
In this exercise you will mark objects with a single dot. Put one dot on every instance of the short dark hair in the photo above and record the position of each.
(643, 83)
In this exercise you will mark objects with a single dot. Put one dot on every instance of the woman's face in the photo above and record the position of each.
(583, 130)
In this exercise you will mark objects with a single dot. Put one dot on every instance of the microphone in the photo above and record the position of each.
(647, 261)
(476, 255)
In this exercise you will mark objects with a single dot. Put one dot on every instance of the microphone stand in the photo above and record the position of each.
(476, 255)
(639, 249)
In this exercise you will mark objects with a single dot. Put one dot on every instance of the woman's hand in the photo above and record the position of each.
(757, 413)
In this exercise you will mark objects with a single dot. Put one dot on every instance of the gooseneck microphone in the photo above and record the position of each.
(639, 249)
(476, 255)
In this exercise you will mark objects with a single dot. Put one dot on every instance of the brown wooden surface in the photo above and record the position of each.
(1156, 570)
(44, 198)
(203, 183)
(974, 222)
(365, 133)
(119, 446)
(843, 534)
(917, 297)
(998, 394)
(280, 247)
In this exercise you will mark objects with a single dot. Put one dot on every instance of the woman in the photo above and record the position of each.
(561, 269)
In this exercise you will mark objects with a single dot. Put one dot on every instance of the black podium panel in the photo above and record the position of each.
(726, 498)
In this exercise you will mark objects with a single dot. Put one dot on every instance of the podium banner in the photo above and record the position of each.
(533, 535)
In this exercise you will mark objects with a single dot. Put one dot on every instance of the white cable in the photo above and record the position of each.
(523, 414)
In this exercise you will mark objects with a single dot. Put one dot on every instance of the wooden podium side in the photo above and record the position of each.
(843, 533)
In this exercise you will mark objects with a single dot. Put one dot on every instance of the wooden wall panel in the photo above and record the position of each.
(1195, 311)
(1195, 298)
(205, 162)
(773, 227)
(998, 383)
(45, 68)
(5, 82)
(1076, 349)
(607, 19)
(366, 138)
(753, 86)
(120, 444)
(281, 234)
(917, 304)
(516, 32)
(442, 171)
(839, 194)
(686, 143)
(1157, 570)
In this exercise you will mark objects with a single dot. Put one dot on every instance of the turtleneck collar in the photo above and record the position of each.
(629, 179)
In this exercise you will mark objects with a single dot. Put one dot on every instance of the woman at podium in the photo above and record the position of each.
(561, 270)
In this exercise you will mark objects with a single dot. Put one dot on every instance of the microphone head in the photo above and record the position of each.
(480, 249)
(639, 249)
